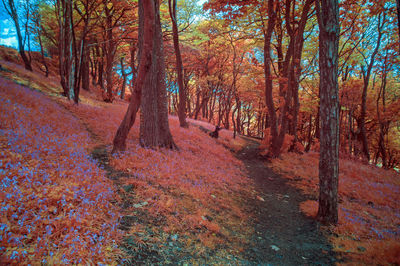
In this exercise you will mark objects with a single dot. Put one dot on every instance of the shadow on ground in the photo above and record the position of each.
(283, 235)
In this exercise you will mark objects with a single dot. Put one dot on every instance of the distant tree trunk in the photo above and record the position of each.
(12, 11)
(309, 139)
(85, 70)
(146, 34)
(275, 147)
(383, 122)
(398, 17)
(124, 78)
(100, 68)
(65, 42)
(328, 19)
(366, 77)
(37, 22)
(154, 126)
(238, 120)
(109, 50)
(93, 65)
(179, 65)
(133, 63)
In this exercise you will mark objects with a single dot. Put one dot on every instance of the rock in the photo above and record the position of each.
(275, 248)
(259, 198)
(139, 205)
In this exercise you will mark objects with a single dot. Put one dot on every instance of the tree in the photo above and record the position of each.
(146, 32)
(36, 28)
(65, 46)
(179, 65)
(328, 20)
(154, 127)
(366, 73)
(12, 11)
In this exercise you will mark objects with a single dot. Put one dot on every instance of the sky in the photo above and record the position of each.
(7, 29)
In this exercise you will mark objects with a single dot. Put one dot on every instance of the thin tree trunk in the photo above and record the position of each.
(179, 65)
(124, 78)
(366, 78)
(268, 81)
(12, 11)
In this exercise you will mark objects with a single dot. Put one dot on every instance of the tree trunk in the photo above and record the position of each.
(179, 65)
(328, 19)
(12, 11)
(146, 33)
(274, 151)
(109, 53)
(85, 70)
(154, 126)
(124, 78)
(366, 78)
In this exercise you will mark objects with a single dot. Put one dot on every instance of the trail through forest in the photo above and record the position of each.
(283, 235)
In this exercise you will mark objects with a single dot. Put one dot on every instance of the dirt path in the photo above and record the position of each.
(283, 235)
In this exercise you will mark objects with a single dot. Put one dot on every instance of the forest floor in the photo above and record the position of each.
(282, 234)
(211, 202)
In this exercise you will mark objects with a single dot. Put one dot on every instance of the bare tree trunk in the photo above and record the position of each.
(109, 53)
(309, 140)
(124, 78)
(366, 77)
(146, 33)
(275, 150)
(179, 65)
(154, 126)
(328, 19)
(85, 70)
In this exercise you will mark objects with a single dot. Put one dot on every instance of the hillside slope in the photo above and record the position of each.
(200, 204)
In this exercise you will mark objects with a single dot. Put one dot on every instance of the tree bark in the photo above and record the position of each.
(179, 65)
(366, 78)
(146, 33)
(328, 19)
(85, 70)
(124, 78)
(268, 79)
(154, 126)
(109, 52)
